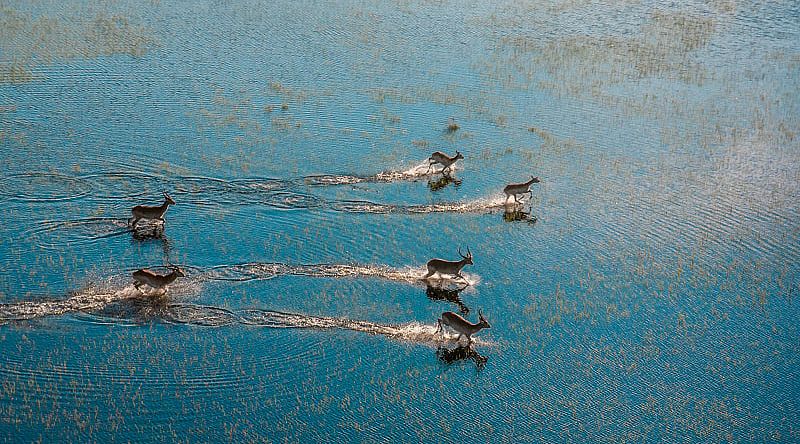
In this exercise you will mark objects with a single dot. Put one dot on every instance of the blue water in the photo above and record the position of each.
(647, 291)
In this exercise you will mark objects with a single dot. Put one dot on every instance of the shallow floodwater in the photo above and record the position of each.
(647, 291)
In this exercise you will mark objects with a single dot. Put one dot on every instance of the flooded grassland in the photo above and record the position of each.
(646, 289)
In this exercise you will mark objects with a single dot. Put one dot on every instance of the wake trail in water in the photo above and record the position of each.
(98, 302)
(211, 316)
(416, 172)
(269, 270)
(86, 300)
(484, 205)
(53, 234)
(143, 188)
(98, 298)
(40, 187)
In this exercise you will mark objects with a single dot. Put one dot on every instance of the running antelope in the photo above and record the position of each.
(519, 188)
(148, 212)
(444, 160)
(461, 325)
(155, 281)
(452, 268)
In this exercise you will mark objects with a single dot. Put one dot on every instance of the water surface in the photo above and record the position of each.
(647, 291)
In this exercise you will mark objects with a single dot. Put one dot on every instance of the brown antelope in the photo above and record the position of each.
(444, 160)
(461, 325)
(150, 212)
(452, 268)
(519, 188)
(154, 280)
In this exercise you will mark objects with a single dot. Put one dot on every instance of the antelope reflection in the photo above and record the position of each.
(516, 213)
(461, 353)
(441, 293)
(445, 180)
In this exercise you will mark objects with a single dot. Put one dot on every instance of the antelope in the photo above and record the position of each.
(444, 160)
(519, 188)
(150, 212)
(461, 325)
(154, 280)
(452, 268)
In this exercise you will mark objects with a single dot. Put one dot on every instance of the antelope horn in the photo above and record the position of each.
(469, 253)
(459, 252)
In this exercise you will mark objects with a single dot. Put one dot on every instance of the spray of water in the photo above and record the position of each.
(97, 301)
(85, 300)
(416, 172)
(214, 316)
(483, 205)
(269, 270)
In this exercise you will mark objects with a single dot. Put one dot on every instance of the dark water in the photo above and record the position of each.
(647, 291)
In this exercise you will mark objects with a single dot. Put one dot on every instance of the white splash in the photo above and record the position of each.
(85, 300)
(418, 171)
(269, 270)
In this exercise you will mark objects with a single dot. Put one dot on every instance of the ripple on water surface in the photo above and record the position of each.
(113, 185)
(55, 234)
(44, 187)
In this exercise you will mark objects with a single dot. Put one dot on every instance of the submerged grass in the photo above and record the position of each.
(29, 41)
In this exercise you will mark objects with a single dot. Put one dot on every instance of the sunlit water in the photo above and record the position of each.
(646, 291)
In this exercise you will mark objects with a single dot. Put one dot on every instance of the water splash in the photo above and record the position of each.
(483, 205)
(97, 298)
(101, 303)
(85, 300)
(416, 172)
(203, 315)
(145, 188)
(270, 270)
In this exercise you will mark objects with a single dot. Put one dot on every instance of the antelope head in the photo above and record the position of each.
(177, 271)
(468, 258)
(534, 180)
(458, 156)
(482, 322)
(168, 199)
